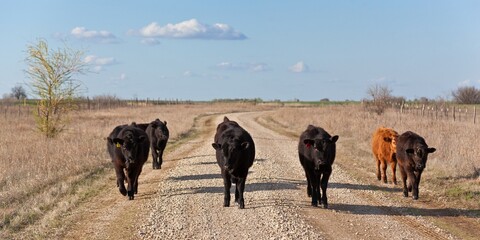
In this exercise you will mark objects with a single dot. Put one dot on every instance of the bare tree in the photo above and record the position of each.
(52, 82)
(466, 95)
(19, 92)
(380, 95)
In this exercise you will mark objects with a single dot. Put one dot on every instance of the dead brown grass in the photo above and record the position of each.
(39, 175)
(452, 172)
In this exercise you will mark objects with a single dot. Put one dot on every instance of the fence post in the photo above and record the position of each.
(474, 114)
(453, 113)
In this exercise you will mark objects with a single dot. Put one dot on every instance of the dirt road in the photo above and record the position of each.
(184, 200)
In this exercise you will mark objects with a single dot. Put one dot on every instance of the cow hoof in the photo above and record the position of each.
(123, 191)
(405, 194)
(415, 197)
(314, 204)
(241, 206)
(325, 206)
(394, 182)
(130, 197)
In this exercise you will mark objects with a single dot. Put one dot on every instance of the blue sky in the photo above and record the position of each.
(203, 50)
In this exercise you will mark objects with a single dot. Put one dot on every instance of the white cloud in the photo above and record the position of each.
(299, 67)
(252, 67)
(464, 83)
(260, 67)
(189, 74)
(92, 35)
(191, 29)
(99, 63)
(150, 41)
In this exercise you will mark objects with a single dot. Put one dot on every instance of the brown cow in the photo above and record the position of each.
(384, 150)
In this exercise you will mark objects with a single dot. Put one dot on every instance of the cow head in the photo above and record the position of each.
(231, 151)
(161, 130)
(419, 154)
(391, 137)
(128, 144)
(323, 150)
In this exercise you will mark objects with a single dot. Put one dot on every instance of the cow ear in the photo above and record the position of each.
(410, 151)
(110, 140)
(245, 145)
(165, 122)
(431, 150)
(335, 138)
(387, 139)
(308, 142)
(216, 146)
(225, 119)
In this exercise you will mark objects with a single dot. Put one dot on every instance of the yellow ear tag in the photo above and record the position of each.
(118, 145)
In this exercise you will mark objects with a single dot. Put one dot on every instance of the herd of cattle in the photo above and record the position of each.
(129, 145)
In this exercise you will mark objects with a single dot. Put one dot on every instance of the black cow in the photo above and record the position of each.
(128, 148)
(316, 150)
(235, 152)
(158, 134)
(412, 154)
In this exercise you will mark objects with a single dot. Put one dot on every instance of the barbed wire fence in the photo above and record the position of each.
(443, 111)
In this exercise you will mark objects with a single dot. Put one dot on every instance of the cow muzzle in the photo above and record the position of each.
(419, 166)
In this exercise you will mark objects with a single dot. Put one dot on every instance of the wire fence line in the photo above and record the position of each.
(11, 109)
(435, 111)
(448, 112)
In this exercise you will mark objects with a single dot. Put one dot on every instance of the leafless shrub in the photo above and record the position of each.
(466, 95)
(379, 98)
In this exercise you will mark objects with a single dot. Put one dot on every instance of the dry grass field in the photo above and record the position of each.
(37, 174)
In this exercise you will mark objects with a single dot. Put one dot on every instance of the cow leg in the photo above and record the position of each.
(415, 185)
(384, 171)
(121, 180)
(314, 180)
(404, 180)
(154, 158)
(393, 166)
(227, 183)
(309, 185)
(324, 184)
(135, 186)
(160, 159)
(131, 184)
(379, 176)
(239, 189)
